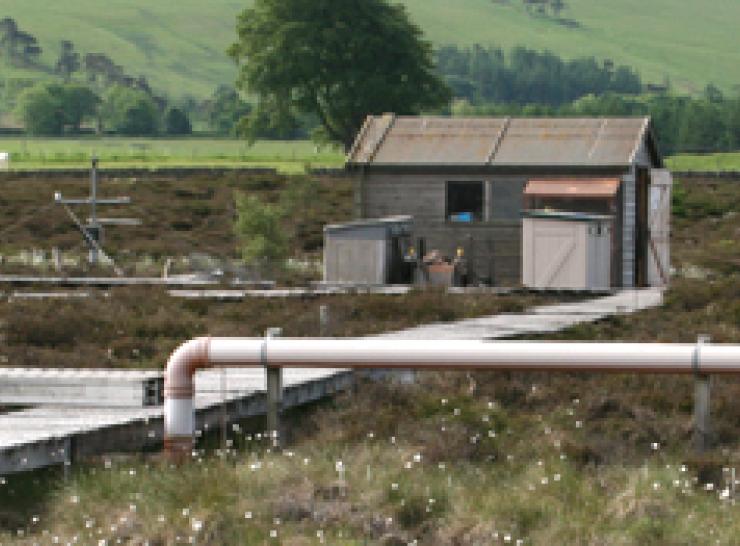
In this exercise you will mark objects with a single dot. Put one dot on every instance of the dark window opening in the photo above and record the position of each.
(464, 201)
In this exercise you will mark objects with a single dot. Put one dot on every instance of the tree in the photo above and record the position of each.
(129, 111)
(69, 60)
(17, 45)
(49, 109)
(225, 109)
(30, 50)
(258, 229)
(8, 33)
(80, 103)
(101, 69)
(42, 111)
(338, 60)
(176, 122)
(557, 6)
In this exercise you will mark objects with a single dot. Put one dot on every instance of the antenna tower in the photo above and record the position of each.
(92, 231)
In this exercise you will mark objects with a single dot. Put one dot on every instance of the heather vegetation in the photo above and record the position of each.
(485, 458)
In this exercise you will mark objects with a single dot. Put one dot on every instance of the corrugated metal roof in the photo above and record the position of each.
(599, 187)
(424, 140)
(431, 141)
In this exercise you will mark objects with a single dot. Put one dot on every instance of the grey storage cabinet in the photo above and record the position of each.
(368, 252)
(562, 250)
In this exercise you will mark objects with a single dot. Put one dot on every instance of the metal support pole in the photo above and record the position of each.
(324, 321)
(274, 383)
(56, 257)
(94, 191)
(93, 210)
(702, 402)
(69, 453)
(224, 417)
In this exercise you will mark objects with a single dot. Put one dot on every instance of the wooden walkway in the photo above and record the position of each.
(44, 436)
(538, 320)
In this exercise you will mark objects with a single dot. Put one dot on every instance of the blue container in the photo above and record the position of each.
(462, 217)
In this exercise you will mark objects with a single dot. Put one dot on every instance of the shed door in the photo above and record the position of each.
(642, 239)
(554, 254)
(659, 232)
(359, 261)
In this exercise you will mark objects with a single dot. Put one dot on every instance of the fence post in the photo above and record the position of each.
(702, 401)
(274, 384)
(56, 257)
(324, 330)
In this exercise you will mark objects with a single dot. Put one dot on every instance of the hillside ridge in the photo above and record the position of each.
(181, 49)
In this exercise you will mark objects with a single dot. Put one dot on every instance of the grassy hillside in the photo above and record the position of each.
(688, 41)
(180, 46)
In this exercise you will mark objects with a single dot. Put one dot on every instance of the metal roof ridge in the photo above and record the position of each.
(348, 158)
(640, 138)
(597, 136)
(497, 144)
(382, 138)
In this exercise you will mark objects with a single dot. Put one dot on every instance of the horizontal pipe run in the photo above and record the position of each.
(442, 355)
(474, 354)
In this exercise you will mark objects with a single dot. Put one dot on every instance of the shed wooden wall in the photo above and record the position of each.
(493, 247)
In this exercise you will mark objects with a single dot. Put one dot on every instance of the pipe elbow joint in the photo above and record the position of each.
(181, 366)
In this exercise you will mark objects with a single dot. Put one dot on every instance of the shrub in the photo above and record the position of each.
(129, 112)
(176, 122)
(258, 230)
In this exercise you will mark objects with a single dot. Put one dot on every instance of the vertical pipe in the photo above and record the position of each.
(179, 396)
(274, 384)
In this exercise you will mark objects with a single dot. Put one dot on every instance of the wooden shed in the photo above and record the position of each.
(468, 181)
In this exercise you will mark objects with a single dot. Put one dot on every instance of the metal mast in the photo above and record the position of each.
(92, 231)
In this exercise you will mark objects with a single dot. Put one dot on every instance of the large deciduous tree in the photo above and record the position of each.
(52, 109)
(339, 60)
(129, 111)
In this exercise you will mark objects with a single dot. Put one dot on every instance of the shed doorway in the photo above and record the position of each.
(642, 233)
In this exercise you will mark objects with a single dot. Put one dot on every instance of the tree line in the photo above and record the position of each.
(56, 109)
(19, 47)
(323, 77)
(95, 91)
(488, 74)
(708, 123)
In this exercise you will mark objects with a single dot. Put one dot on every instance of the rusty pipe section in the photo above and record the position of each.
(423, 354)
(179, 394)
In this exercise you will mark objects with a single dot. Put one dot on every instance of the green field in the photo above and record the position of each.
(286, 156)
(705, 162)
(180, 46)
(63, 153)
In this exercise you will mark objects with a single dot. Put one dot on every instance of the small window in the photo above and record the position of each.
(464, 201)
